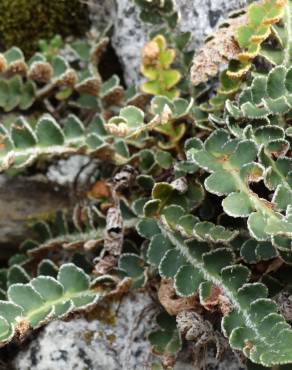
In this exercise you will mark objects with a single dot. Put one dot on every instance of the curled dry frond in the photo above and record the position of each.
(219, 49)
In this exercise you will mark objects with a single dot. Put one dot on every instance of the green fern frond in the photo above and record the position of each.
(261, 18)
(22, 145)
(233, 166)
(44, 299)
(250, 321)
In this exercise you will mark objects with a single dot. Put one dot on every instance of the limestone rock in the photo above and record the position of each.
(20, 202)
(107, 339)
(114, 343)
(64, 171)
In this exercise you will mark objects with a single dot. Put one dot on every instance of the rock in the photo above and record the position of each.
(103, 341)
(64, 171)
(24, 200)
(130, 34)
(102, 13)
(114, 343)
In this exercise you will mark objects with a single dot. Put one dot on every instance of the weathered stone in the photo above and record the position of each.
(64, 171)
(24, 200)
(112, 343)
(108, 339)
(130, 34)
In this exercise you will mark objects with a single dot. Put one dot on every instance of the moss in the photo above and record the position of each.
(24, 22)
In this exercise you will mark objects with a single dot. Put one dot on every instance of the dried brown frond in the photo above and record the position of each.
(220, 49)
(217, 300)
(174, 304)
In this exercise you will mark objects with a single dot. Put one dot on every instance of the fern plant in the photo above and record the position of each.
(191, 191)
(156, 67)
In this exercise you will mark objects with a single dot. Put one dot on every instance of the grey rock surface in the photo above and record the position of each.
(129, 34)
(64, 171)
(20, 201)
(83, 344)
(91, 344)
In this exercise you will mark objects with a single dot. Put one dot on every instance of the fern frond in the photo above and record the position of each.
(233, 167)
(22, 145)
(250, 321)
(280, 52)
(261, 17)
(44, 299)
(268, 95)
